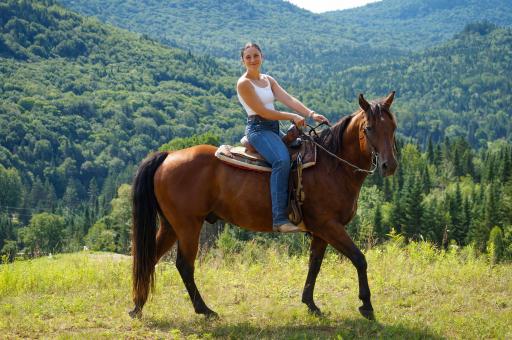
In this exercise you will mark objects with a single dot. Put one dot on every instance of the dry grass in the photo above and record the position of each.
(418, 292)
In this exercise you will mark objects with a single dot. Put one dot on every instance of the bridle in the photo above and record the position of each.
(312, 135)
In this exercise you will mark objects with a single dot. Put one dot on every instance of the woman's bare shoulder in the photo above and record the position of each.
(271, 79)
(243, 82)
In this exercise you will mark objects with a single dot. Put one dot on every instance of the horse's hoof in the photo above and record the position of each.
(313, 309)
(368, 314)
(135, 313)
(211, 315)
(208, 313)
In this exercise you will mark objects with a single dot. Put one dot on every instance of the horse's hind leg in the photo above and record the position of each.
(188, 241)
(165, 239)
(336, 235)
(317, 252)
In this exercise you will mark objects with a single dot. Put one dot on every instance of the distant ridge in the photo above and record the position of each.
(292, 38)
(336, 39)
(416, 24)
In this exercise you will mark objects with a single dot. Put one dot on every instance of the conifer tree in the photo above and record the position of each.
(71, 197)
(458, 229)
(396, 218)
(412, 209)
(468, 165)
(490, 171)
(466, 218)
(430, 151)
(506, 167)
(387, 189)
(437, 155)
(425, 177)
(378, 226)
(51, 196)
(432, 219)
(483, 218)
(37, 197)
(492, 210)
(457, 163)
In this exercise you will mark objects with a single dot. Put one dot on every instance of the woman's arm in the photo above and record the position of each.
(292, 102)
(246, 91)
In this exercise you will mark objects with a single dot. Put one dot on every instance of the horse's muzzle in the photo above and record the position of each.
(388, 168)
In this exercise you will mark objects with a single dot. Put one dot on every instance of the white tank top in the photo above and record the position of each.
(265, 94)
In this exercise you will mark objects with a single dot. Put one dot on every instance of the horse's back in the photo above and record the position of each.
(194, 182)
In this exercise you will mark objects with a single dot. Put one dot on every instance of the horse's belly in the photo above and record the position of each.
(244, 199)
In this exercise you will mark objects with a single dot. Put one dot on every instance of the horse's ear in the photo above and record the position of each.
(363, 103)
(389, 99)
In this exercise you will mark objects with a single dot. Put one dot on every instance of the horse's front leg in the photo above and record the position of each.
(336, 235)
(316, 256)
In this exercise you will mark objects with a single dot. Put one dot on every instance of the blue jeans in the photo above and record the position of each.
(264, 136)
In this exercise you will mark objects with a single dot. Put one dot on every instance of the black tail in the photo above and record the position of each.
(144, 213)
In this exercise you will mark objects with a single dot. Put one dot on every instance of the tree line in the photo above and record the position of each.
(82, 103)
(447, 194)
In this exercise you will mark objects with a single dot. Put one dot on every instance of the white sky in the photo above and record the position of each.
(319, 6)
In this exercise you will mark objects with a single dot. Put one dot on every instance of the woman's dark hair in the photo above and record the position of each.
(249, 44)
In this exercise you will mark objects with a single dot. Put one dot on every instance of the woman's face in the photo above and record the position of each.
(252, 58)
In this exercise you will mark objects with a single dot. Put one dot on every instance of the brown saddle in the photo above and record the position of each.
(302, 154)
(290, 139)
(246, 157)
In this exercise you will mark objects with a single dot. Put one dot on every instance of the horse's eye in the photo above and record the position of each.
(368, 129)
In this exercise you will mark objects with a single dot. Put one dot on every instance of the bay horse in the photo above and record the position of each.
(182, 189)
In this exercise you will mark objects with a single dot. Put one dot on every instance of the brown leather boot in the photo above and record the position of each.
(287, 227)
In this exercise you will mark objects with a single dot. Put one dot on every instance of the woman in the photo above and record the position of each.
(257, 92)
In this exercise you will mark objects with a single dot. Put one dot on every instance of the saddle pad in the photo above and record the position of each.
(238, 157)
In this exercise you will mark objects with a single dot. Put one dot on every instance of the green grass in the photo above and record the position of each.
(417, 291)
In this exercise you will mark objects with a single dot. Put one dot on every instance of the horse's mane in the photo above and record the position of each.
(332, 138)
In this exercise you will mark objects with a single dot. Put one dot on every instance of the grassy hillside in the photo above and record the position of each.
(418, 292)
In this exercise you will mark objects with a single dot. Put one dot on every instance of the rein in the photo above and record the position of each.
(312, 131)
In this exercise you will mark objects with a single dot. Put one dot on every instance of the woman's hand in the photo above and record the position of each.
(319, 118)
(298, 120)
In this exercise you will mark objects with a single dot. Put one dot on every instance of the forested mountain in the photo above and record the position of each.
(80, 101)
(312, 53)
(416, 24)
(296, 42)
(300, 45)
(461, 88)
(83, 99)
(213, 27)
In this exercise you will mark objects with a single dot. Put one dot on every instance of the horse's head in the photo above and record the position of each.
(379, 130)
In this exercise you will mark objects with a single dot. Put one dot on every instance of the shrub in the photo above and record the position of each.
(495, 246)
